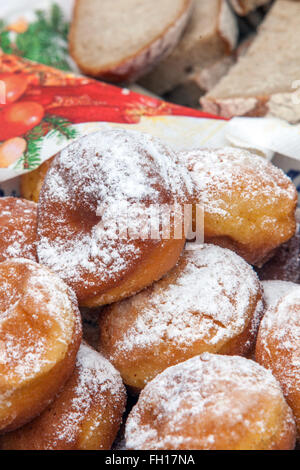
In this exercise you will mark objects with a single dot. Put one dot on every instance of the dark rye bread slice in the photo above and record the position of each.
(210, 34)
(265, 81)
(121, 40)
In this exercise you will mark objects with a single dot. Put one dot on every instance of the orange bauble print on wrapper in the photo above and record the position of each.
(11, 150)
(15, 86)
(18, 118)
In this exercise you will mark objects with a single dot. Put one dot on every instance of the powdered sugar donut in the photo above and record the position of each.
(94, 214)
(249, 203)
(278, 347)
(18, 220)
(40, 333)
(85, 416)
(212, 402)
(210, 302)
(274, 290)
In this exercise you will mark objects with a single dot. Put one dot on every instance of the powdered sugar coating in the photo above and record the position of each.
(274, 290)
(95, 383)
(219, 172)
(38, 321)
(210, 402)
(207, 299)
(17, 228)
(86, 415)
(278, 344)
(91, 181)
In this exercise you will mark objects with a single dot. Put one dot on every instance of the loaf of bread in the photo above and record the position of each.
(266, 80)
(210, 35)
(123, 39)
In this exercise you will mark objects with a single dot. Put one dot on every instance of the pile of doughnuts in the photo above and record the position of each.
(102, 298)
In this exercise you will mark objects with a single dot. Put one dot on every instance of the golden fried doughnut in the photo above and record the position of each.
(86, 415)
(278, 347)
(249, 204)
(32, 182)
(212, 402)
(40, 333)
(210, 302)
(18, 221)
(82, 204)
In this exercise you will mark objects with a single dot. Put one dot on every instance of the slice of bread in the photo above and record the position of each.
(203, 80)
(243, 7)
(199, 82)
(211, 33)
(120, 40)
(266, 80)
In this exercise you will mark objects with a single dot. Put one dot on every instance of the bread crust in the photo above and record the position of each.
(243, 7)
(278, 105)
(186, 58)
(138, 64)
(258, 100)
(227, 26)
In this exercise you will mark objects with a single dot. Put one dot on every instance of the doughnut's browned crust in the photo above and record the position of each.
(162, 258)
(18, 223)
(212, 402)
(278, 347)
(158, 262)
(249, 204)
(85, 416)
(75, 241)
(32, 182)
(210, 302)
(285, 264)
(40, 333)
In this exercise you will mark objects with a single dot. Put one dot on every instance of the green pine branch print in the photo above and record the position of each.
(45, 40)
(56, 127)
(60, 127)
